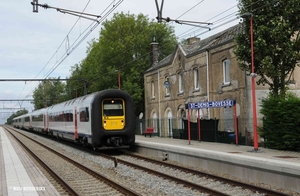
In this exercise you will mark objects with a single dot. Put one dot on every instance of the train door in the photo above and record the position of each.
(84, 120)
(75, 124)
(45, 122)
(30, 121)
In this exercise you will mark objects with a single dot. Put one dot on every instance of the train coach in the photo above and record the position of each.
(103, 120)
(18, 122)
(22, 122)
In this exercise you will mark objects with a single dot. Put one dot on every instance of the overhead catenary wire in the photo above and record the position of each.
(83, 38)
(75, 44)
(233, 14)
(189, 9)
(124, 64)
(64, 40)
(121, 66)
(218, 23)
(147, 53)
(73, 47)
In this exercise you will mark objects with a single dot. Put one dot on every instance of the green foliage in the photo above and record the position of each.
(281, 125)
(48, 92)
(276, 41)
(75, 86)
(14, 115)
(123, 46)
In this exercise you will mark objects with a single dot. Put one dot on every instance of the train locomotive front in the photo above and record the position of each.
(112, 119)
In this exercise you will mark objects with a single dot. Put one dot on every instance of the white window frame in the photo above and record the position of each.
(180, 82)
(196, 79)
(152, 90)
(154, 121)
(167, 90)
(226, 72)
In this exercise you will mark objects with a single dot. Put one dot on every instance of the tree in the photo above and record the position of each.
(48, 92)
(281, 124)
(14, 115)
(276, 26)
(75, 85)
(124, 46)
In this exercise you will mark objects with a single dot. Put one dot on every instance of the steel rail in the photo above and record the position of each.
(95, 174)
(166, 176)
(215, 177)
(62, 182)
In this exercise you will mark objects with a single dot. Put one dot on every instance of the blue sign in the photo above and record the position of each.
(211, 104)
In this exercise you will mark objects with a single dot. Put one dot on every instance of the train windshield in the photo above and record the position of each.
(113, 107)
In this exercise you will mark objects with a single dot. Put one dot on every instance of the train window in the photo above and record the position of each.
(71, 116)
(84, 114)
(56, 117)
(27, 119)
(113, 108)
(61, 117)
(51, 117)
(37, 118)
(66, 116)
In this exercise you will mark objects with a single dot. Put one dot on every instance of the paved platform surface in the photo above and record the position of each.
(19, 175)
(262, 153)
(277, 168)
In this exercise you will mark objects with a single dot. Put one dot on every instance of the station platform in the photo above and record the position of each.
(276, 168)
(19, 175)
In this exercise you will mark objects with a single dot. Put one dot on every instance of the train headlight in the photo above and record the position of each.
(104, 123)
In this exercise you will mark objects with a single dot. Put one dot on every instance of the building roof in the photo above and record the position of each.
(197, 47)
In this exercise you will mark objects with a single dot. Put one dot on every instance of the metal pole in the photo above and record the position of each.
(255, 139)
(189, 126)
(199, 130)
(159, 115)
(235, 125)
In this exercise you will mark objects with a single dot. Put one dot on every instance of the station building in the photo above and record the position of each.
(202, 71)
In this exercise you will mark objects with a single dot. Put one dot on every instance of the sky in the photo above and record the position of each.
(47, 43)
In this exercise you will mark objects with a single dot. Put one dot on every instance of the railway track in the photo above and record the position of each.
(155, 179)
(232, 182)
(74, 177)
(191, 177)
(200, 188)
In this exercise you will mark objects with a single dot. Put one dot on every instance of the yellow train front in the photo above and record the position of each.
(112, 119)
(103, 120)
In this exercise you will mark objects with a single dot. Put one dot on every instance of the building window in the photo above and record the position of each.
(196, 79)
(155, 122)
(226, 75)
(167, 86)
(152, 90)
(180, 82)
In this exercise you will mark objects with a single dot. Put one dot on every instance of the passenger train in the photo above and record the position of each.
(104, 119)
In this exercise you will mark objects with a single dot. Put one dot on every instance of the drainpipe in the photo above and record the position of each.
(207, 82)
(159, 116)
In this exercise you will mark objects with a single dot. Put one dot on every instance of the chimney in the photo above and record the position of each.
(154, 52)
(191, 40)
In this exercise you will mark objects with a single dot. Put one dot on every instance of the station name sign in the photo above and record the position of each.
(211, 104)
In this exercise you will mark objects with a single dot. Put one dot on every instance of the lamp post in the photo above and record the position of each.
(253, 75)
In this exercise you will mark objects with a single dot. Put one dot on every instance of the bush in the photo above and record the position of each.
(281, 125)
